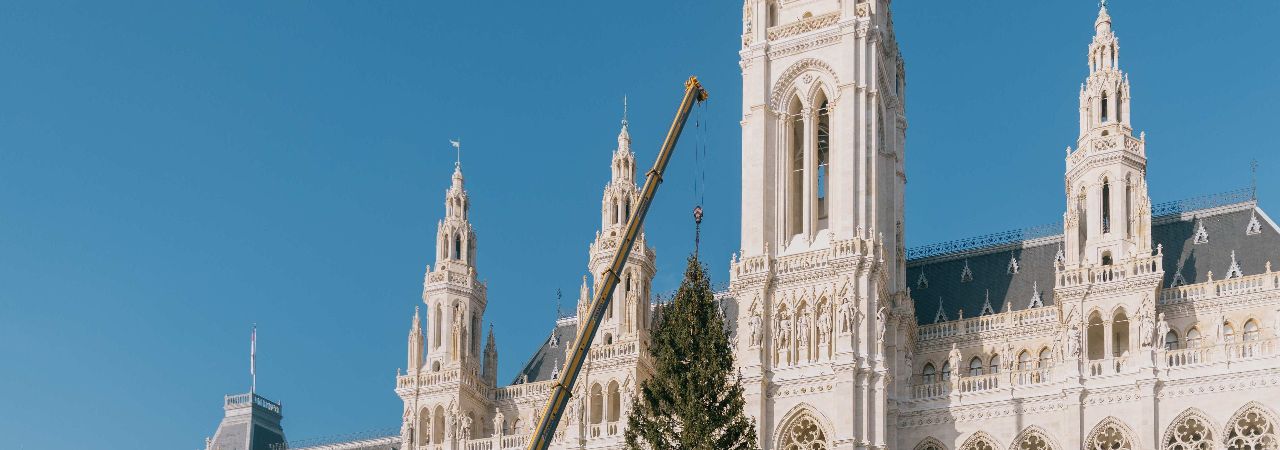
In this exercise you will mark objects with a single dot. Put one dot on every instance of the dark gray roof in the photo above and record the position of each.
(1226, 233)
(1225, 225)
(990, 276)
(543, 362)
(251, 422)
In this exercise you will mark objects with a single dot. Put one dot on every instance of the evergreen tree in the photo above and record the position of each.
(694, 399)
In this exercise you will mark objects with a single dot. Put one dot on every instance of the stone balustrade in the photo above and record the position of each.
(514, 391)
(626, 348)
(1262, 282)
(1133, 267)
(990, 322)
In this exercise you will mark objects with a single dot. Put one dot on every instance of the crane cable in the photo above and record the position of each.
(699, 175)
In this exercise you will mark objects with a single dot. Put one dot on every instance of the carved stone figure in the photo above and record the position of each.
(1073, 341)
(881, 323)
(754, 323)
(844, 315)
(802, 331)
(499, 422)
(824, 326)
(1162, 328)
(954, 357)
(1146, 330)
(783, 336)
(464, 428)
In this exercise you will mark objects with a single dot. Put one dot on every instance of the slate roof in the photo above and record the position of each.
(543, 361)
(1226, 227)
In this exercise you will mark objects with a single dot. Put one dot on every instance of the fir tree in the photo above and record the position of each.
(694, 399)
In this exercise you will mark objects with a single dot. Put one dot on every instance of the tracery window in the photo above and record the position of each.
(1024, 360)
(804, 433)
(1106, 204)
(1109, 436)
(1228, 333)
(929, 444)
(1251, 429)
(1104, 107)
(1032, 439)
(1191, 432)
(994, 367)
(1251, 330)
(946, 371)
(978, 442)
(1046, 358)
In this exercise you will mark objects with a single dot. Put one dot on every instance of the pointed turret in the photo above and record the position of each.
(415, 344)
(490, 359)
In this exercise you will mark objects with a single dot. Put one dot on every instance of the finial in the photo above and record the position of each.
(457, 146)
(624, 110)
(1253, 179)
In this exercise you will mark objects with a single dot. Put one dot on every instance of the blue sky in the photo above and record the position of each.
(171, 172)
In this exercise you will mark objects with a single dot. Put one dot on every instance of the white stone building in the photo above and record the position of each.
(1127, 326)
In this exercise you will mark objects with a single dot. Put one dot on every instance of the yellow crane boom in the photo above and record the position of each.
(560, 392)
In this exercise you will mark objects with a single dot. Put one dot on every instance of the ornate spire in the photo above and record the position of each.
(1103, 23)
(415, 343)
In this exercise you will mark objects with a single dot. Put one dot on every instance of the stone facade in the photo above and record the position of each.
(1110, 330)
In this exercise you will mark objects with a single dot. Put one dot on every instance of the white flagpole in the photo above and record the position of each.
(253, 359)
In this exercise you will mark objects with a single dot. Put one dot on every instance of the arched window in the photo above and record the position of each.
(615, 402)
(975, 366)
(1253, 428)
(773, 13)
(1128, 205)
(803, 433)
(1103, 116)
(613, 212)
(1106, 205)
(437, 426)
(946, 371)
(795, 182)
(1189, 431)
(608, 339)
(424, 426)
(1106, 258)
(1032, 438)
(597, 404)
(1171, 340)
(1228, 332)
(823, 154)
(1096, 333)
(1024, 361)
(1119, 107)
(1109, 435)
(1082, 209)
(1046, 358)
(994, 367)
(1119, 334)
(979, 441)
(1193, 338)
(929, 374)
(1251, 330)
(435, 330)
(626, 210)
(457, 246)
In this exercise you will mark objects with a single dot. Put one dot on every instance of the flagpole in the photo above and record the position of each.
(253, 360)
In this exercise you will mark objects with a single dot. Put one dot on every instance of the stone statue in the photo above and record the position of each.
(843, 315)
(783, 336)
(754, 323)
(499, 422)
(1146, 330)
(909, 360)
(954, 357)
(802, 332)
(824, 326)
(1162, 329)
(464, 428)
(881, 323)
(1073, 340)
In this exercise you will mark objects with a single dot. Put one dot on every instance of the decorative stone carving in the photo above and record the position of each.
(1254, 226)
(966, 274)
(754, 323)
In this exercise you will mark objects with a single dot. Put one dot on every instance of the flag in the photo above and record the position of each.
(456, 144)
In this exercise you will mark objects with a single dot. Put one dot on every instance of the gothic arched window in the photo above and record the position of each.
(979, 441)
(1251, 330)
(1253, 428)
(929, 374)
(1024, 361)
(823, 153)
(1103, 116)
(457, 246)
(1109, 435)
(597, 404)
(795, 182)
(1097, 330)
(1119, 333)
(803, 433)
(1032, 438)
(424, 426)
(1106, 206)
(994, 367)
(1171, 340)
(437, 426)
(946, 371)
(1046, 358)
(1189, 431)
(975, 366)
(615, 402)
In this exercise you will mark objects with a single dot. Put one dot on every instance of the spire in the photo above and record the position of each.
(1103, 23)
(415, 344)
(490, 358)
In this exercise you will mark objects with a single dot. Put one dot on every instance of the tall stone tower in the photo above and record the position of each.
(619, 357)
(446, 396)
(1108, 216)
(824, 316)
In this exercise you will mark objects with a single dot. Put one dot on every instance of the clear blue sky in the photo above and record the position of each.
(171, 172)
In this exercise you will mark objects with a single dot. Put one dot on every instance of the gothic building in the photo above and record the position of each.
(1130, 325)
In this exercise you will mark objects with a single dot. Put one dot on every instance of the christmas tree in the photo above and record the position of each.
(694, 399)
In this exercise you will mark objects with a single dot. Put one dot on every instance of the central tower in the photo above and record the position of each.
(824, 314)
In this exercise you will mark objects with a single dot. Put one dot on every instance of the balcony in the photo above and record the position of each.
(1262, 282)
(1134, 267)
